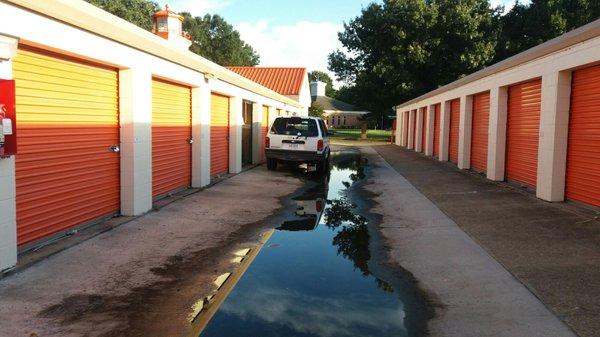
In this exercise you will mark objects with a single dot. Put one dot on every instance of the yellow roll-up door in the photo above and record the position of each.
(219, 134)
(66, 173)
(171, 134)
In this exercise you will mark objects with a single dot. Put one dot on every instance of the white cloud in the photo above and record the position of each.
(307, 314)
(197, 7)
(300, 44)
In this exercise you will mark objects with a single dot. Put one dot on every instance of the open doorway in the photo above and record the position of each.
(247, 133)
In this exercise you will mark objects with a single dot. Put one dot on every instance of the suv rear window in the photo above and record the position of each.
(295, 126)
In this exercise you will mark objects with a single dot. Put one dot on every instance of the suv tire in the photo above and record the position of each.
(271, 164)
(323, 165)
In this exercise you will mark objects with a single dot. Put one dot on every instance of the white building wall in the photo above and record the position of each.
(419, 130)
(411, 130)
(555, 70)
(464, 133)
(429, 130)
(135, 116)
(136, 69)
(257, 112)
(201, 134)
(304, 98)
(8, 206)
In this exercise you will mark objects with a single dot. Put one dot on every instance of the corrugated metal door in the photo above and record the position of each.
(264, 130)
(479, 131)
(583, 156)
(171, 134)
(454, 127)
(436, 130)
(522, 132)
(219, 134)
(66, 174)
(423, 127)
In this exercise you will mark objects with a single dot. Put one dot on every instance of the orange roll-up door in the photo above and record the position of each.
(454, 127)
(522, 132)
(583, 154)
(264, 130)
(479, 131)
(171, 134)
(436, 130)
(219, 134)
(66, 174)
(423, 127)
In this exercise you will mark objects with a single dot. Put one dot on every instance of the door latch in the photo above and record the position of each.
(191, 140)
(115, 148)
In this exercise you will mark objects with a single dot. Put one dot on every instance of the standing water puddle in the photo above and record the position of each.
(312, 276)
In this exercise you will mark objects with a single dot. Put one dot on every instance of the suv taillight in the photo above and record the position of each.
(319, 205)
(320, 145)
(267, 143)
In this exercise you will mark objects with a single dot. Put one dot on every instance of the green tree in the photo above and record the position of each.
(316, 110)
(213, 38)
(526, 26)
(323, 77)
(400, 49)
(218, 41)
(138, 12)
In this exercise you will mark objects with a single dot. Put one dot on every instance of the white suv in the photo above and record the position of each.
(298, 139)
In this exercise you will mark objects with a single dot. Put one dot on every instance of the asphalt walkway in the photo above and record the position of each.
(553, 250)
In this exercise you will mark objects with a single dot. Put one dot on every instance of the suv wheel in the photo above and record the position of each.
(322, 165)
(271, 164)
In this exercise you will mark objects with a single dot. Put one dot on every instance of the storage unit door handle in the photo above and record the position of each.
(114, 148)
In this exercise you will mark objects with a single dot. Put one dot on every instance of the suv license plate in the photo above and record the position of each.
(294, 146)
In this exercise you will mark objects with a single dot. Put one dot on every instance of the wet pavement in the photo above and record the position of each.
(553, 249)
(289, 253)
(314, 277)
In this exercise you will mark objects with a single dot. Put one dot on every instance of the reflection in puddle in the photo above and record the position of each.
(315, 281)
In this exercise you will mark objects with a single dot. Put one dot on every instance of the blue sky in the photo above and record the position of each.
(284, 32)
(277, 12)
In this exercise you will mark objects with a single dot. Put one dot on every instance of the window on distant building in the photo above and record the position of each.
(344, 120)
(162, 25)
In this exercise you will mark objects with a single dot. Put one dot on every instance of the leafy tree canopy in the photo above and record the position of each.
(316, 110)
(323, 77)
(212, 37)
(218, 41)
(402, 48)
(526, 26)
(138, 12)
(399, 49)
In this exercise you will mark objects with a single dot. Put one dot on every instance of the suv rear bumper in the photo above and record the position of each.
(299, 156)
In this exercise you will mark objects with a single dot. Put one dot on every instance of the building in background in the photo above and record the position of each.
(336, 113)
(290, 82)
(108, 118)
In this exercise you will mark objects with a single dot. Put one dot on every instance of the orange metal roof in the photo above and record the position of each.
(167, 12)
(286, 81)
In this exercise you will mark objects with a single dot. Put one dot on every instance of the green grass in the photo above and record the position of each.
(355, 134)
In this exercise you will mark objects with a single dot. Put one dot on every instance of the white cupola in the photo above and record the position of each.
(169, 26)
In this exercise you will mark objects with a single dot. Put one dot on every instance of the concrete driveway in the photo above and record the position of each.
(145, 277)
